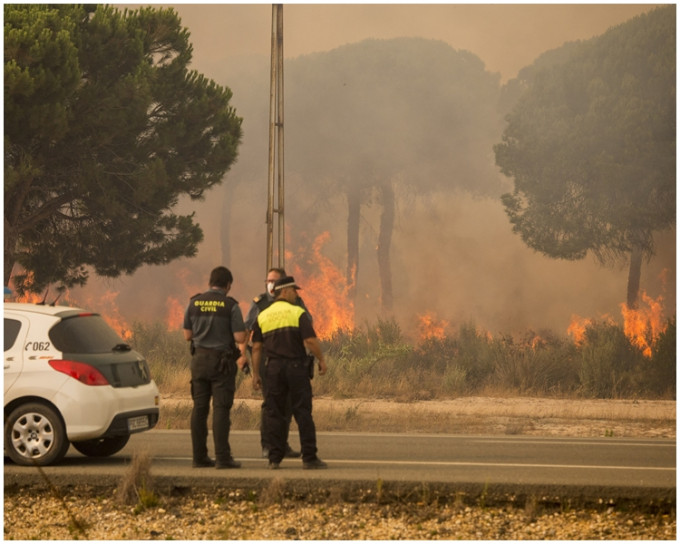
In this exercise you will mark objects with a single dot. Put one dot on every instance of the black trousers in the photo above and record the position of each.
(208, 382)
(288, 413)
(288, 377)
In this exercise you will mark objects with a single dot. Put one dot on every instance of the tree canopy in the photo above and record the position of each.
(591, 143)
(378, 115)
(105, 129)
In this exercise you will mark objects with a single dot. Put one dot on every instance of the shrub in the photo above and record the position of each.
(540, 364)
(607, 362)
(362, 360)
(475, 355)
(166, 352)
(376, 360)
(660, 374)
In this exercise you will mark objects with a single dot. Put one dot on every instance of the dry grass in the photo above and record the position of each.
(135, 486)
(494, 412)
(466, 415)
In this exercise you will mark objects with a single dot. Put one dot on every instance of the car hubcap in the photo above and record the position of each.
(32, 435)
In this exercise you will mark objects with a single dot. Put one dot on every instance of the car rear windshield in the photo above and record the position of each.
(84, 334)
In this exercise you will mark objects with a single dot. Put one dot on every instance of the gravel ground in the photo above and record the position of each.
(204, 516)
(100, 514)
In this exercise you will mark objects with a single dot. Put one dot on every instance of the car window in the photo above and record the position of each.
(84, 334)
(12, 328)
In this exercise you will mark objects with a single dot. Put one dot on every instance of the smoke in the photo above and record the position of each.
(452, 254)
(507, 37)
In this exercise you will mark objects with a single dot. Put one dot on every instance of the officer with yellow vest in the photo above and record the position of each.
(283, 333)
(259, 304)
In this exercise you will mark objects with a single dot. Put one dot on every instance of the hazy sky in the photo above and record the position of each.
(506, 37)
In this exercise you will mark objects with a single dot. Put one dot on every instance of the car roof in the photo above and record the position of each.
(42, 308)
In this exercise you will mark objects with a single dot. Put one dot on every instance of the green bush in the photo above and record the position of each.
(377, 361)
(361, 360)
(660, 376)
(166, 352)
(459, 364)
(538, 365)
(608, 362)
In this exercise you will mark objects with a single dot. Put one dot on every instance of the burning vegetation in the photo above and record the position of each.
(642, 326)
(434, 359)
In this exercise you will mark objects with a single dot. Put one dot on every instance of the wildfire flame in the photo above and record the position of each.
(104, 304)
(107, 306)
(325, 292)
(33, 298)
(577, 328)
(537, 342)
(430, 327)
(176, 305)
(642, 326)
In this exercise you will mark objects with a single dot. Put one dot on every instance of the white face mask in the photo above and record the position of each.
(270, 287)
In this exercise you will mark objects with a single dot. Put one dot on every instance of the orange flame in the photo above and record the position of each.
(429, 327)
(33, 298)
(175, 315)
(537, 342)
(643, 326)
(577, 328)
(108, 308)
(176, 305)
(325, 292)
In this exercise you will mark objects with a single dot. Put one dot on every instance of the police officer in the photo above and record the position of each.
(282, 333)
(213, 322)
(261, 302)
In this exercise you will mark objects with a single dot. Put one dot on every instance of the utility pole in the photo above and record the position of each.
(275, 194)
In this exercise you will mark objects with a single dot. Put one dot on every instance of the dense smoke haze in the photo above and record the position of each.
(453, 253)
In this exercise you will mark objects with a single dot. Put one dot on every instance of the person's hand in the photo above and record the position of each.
(241, 362)
(322, 367)
(257, 382)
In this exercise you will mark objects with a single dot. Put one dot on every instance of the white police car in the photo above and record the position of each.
(69, 378)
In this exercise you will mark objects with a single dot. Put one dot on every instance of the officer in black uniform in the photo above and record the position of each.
(260, 303)
(213, 322)
(282, 334)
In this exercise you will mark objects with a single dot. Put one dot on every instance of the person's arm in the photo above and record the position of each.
(240, 336)
(251, 316)
(240, 339)
(312, 344)
(186, 326)
(310, 340)
(257, 358)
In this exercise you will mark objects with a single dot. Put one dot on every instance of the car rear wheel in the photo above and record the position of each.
(102, 447)
(35, 435)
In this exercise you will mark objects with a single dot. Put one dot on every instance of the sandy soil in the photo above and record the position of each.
(477, 415)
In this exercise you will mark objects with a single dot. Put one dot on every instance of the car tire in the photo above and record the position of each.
(102, 447)
(35, 435)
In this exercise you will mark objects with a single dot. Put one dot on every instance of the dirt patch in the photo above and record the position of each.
(467, 415)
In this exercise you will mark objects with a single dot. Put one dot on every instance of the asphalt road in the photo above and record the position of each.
(580, 467)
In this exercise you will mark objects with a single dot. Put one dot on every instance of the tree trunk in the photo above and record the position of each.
(384, 243)
(353, 216)
(634, 273)
(10, 242)
(225, 219)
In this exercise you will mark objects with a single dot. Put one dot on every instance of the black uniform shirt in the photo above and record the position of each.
(213, 318)
(282, 328)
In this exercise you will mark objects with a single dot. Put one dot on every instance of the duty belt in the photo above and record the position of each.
(207, 350)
